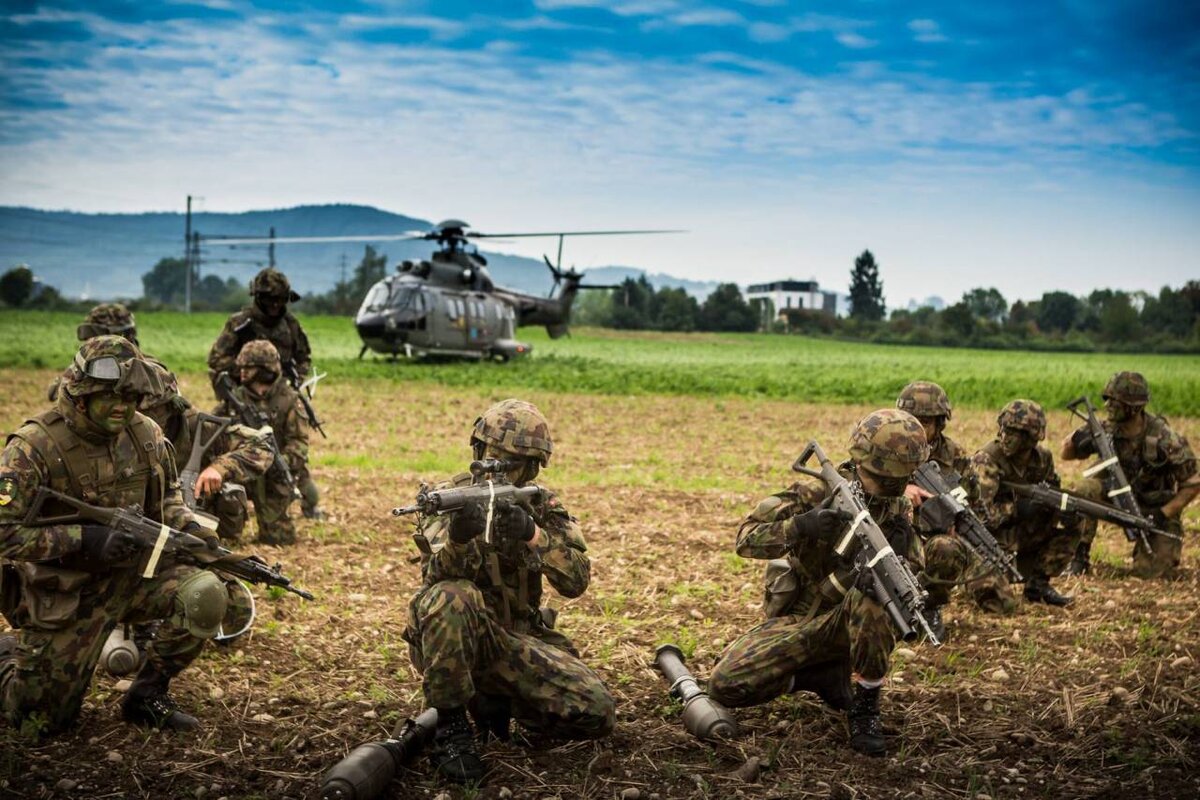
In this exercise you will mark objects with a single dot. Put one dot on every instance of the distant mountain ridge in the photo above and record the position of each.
(103, 256)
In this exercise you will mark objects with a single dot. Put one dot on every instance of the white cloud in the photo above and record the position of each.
(854, 41)
(926, 30)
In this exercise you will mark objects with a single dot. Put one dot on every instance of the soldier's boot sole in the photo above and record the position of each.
(157, 712)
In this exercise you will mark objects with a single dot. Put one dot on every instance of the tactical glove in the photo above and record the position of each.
(1026, 509)
(468, 523)
(514, 523)
(107, 546)
(823, 524)
(1081, 441)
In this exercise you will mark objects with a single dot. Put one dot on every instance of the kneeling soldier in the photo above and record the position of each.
(65, 586)
(815, 639)
(477, 630)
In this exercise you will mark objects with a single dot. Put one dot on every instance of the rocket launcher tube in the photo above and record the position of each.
(703, 717)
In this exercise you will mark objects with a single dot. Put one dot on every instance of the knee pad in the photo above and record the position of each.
(200, 603)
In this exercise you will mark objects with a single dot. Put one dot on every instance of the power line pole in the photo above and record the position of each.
(271, 249)
(187, 258)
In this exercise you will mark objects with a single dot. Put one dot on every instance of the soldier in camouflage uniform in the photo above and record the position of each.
(268, 318)
(106, 319)
(477, 631)
(819, 633)
(65, 586)
(264, 387)
(1041, 538)
(1157, 461)
(949, 562)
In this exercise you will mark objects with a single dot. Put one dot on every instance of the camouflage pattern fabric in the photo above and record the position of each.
(924, 399)
(1165, 553)
(1024, 415)
(1043, 543)
(516, 427)
(250, 324)
(949, 454)
(270, 281)
(460, 647)
(260, 353)
(108, 318)
(889, 442)
(819, 628)
(1130, 388)
(272, 497)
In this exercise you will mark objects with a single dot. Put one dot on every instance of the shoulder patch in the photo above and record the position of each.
(8, 490)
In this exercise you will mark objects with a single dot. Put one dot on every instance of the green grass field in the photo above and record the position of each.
(618, 363)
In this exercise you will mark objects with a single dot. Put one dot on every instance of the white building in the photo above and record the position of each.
(799, 294)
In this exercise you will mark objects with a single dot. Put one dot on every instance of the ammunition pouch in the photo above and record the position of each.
(52, 594)
(10, 593)
(229, 506)
(781, 587)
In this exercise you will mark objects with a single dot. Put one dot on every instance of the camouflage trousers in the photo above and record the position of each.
(950, 562)
(1042, 551)
(761, 664)
(1165, 553)
(460, 648)
(271, 502)
(310, 495)
(49, 678)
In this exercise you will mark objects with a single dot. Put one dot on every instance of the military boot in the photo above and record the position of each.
(866, 730)
(1081, 562)
(454, 754)
(829, 681)
(1039, 590)
(148, 703)
(492, 714)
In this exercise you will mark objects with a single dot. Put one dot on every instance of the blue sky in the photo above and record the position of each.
(1030, 146)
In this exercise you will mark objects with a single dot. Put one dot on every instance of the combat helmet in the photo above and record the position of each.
(516, 427)
(161, 406)
(111, 363)
(1129, 388)
(108, 318)
(260, 353)
(273, 283)
(889, 442)
(1024, 415)
(200, 603)
(924, 399)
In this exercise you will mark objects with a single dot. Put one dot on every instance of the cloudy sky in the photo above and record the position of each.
(1026, 145)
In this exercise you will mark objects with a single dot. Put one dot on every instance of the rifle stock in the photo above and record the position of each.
(200, 447)
(1049, 497)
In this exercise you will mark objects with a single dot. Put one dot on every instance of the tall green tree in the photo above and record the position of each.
(632, 304)
(1057, 312)
(987, 304)
(677, 310)
(164, 283)
(866, 290)
(726, 310)
(371, 270)
(16, 285)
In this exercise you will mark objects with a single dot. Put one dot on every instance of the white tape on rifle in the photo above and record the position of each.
(164, 533)
(836, 583)
(491, 510)
(887, 551)
(959, 494)
(1122, 490)
(845, 542)
(1103, 465)
(1062, 501)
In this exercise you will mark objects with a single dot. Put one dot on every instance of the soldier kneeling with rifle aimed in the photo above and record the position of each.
(1145, 469)
(79, 556)
(477, 631)
(841, 587)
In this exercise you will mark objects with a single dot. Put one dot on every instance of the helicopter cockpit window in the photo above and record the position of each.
(377, 298)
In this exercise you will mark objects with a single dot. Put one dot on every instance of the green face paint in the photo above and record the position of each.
(111, 412)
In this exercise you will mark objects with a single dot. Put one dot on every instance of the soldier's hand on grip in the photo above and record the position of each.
(107, 546)
(468, 523)
(515, 523)
(820, 523)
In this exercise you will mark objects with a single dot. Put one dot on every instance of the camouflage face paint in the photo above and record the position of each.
(1118, 411)
(1014, 441)
(111, 412)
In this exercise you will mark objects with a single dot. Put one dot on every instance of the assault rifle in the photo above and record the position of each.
(487, 489)
(365, 773)
(1049, 497)
(948, 507)
(252, 417)
(200, 446)
(305, 390)
(161, 539)
(895, 586)
(1112, 476)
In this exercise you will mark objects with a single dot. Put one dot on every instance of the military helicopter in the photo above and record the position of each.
(448, 305)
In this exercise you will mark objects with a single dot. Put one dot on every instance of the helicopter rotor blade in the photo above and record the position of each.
(598, 286)
(231, 241)
(477, 235)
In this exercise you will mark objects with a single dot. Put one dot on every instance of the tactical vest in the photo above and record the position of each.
(1146, 462)
(284, 334)
(119, 472)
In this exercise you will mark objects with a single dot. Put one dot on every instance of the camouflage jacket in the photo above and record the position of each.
(285, 415)
(949, 454)
(1157, 461)
(990, 466)
(58, 450)
(561, 557)
(767, 533)
(239, 454)
(250, 324)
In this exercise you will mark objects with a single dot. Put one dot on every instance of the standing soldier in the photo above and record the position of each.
(817, 639)
(264, 389)
(268, 318)
(65, 586)
(948, 560)
(1042, 538)
(477, 631)
(1160, 467)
